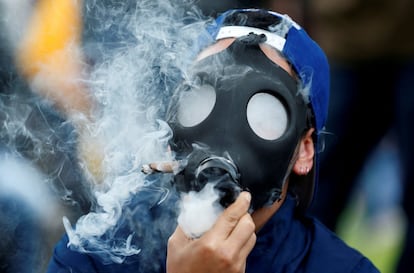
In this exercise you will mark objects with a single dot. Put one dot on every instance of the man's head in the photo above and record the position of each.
(257, 92)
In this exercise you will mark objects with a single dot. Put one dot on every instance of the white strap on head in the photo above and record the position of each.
(273, 39)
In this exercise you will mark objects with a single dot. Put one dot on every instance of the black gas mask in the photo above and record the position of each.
(237, 122)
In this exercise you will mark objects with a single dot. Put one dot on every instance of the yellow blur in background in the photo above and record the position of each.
(50, 58)
(49, 55)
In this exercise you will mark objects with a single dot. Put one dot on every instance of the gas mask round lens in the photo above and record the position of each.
(267, 116)
(196, 104)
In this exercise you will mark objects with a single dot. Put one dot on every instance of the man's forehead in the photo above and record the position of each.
(270, 52)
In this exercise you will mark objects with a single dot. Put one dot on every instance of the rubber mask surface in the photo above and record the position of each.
(239, 121)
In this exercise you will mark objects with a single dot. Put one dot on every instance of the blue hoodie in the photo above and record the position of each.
(287, 243)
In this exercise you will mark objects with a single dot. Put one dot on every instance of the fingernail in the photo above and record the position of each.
(248, 196)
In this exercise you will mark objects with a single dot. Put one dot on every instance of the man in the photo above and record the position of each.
(286, 240)
(260, 91)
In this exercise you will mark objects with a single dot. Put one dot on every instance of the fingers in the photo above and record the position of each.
(243, 235)
(232, 215)
(224, 248)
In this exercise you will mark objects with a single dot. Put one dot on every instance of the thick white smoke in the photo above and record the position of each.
(193, 204)
(145, 49)
(136, 52)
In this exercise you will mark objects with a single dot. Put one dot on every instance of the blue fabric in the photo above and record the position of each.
(20, 248)
(285, 244)
(65, 260)
(313, 69)
(302, 245)
(149, 218)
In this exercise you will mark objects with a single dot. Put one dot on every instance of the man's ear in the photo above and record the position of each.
(304, 161)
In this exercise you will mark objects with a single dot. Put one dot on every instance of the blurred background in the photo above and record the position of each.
(365, 172)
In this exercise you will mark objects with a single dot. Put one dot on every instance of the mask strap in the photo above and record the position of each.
(272, 39)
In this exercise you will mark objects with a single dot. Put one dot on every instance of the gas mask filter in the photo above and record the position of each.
(237, 123)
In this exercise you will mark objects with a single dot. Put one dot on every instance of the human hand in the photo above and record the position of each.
(223, 248)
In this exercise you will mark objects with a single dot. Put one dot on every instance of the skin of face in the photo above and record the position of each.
(304, 158)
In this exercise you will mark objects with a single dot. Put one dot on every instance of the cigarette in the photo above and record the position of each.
(162, 167)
